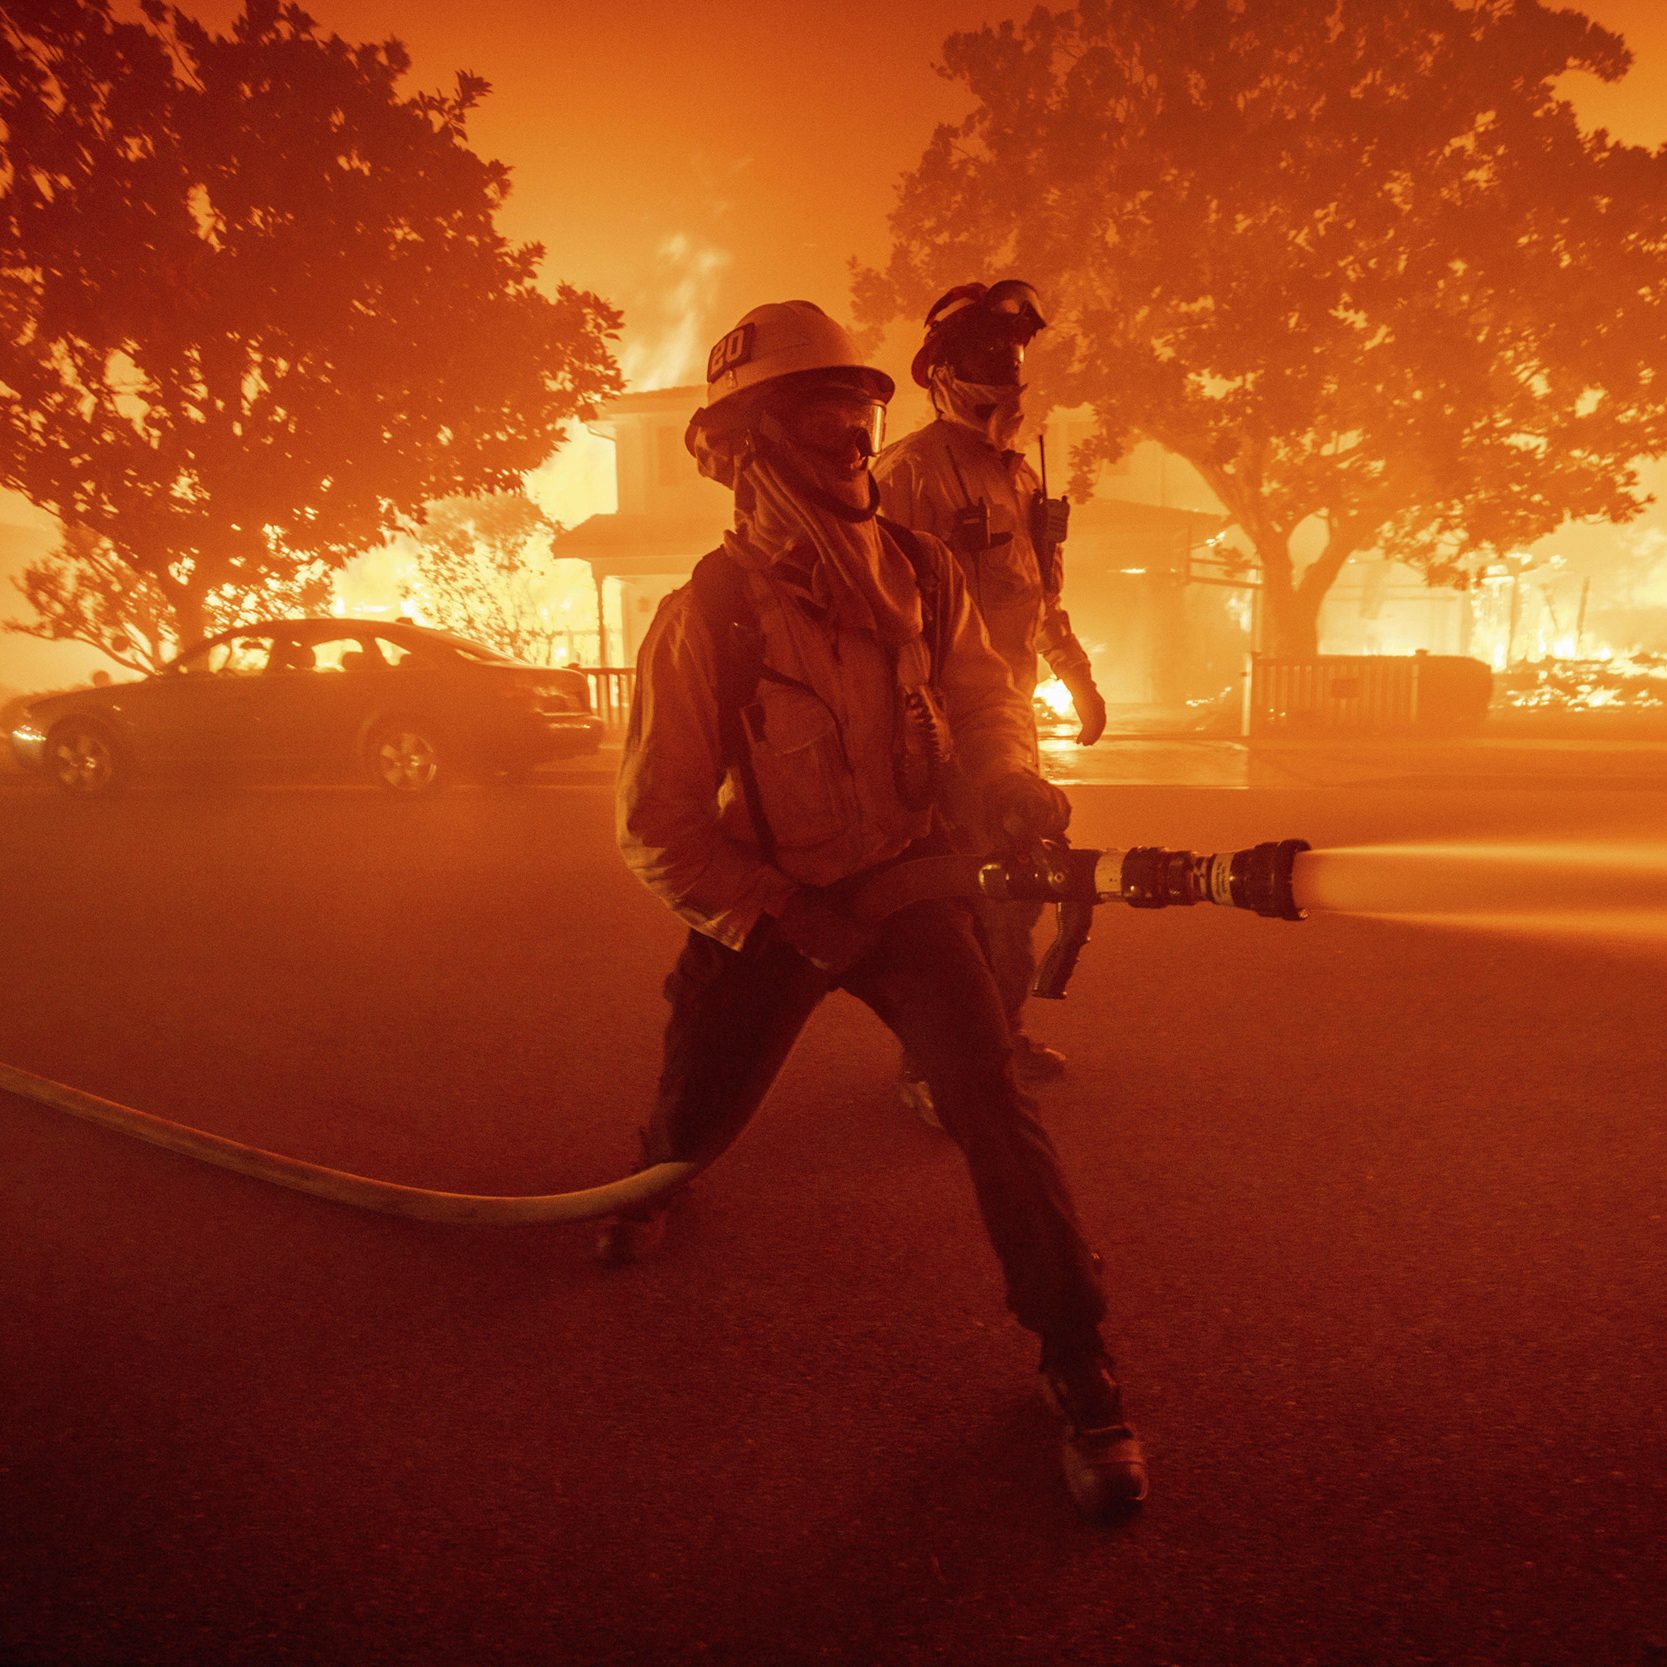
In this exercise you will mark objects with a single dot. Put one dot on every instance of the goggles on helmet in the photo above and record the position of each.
(833, 421)
(972, 314)
(1012, 298)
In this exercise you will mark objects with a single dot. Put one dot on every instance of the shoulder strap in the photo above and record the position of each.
(929, 576)
(718, 589)
(949, 452)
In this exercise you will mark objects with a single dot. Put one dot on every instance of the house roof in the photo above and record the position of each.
(627, 546)
(646, 402)
(1126, 518)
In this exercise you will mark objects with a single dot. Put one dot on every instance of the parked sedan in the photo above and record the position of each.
(398, 705)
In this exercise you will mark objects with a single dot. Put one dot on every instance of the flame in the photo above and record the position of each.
(376, 585)
(675, 351)
(1617, 679)
(579, 481)
(1056, 698)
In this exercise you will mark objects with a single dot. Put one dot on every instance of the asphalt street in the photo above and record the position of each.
(1382, 1207)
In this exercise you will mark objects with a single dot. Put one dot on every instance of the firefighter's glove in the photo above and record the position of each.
(825, 936)
(1091, 709)
(1022, 808)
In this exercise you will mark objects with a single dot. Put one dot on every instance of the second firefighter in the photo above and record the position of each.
(959, 479)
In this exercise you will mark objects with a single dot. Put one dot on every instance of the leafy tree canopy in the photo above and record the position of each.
(484, 569)
(254, 305)
(84, 591)
(1352, 259)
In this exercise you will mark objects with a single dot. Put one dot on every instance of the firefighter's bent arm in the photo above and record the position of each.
(990, 718)
(668, 825)
(1057, 642)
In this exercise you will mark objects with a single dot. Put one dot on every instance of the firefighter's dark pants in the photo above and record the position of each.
(735, 1016)
(1008, 929)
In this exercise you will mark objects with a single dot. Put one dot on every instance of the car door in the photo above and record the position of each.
(424, 676)
(204, 709)
(317, 695)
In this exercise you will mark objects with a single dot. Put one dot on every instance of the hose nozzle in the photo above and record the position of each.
(1149, 877)
(1257, 878)
(1074, 879)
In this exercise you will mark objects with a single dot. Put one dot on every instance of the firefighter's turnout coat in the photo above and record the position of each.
(927, 479)
(824, 754)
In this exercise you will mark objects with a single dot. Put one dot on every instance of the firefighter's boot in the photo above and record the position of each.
(630, 1236)
(914, 1093)
(1035, 1061)
(1105, 1466)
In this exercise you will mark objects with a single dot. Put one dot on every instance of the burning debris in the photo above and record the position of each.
(1634, 681)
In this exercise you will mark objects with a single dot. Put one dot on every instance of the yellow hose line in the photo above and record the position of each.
(949, 876)
(361, 1191)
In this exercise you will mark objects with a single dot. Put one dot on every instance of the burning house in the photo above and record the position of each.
(1164, 619)
(667, 518)
(1166, 606)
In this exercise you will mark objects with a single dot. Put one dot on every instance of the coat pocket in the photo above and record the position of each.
(799, 765)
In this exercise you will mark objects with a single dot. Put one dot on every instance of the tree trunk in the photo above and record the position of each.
(1292, 605)
(1319, 577)
(186, 602)
(1293, 625)
(1290, 618)
(1290, 609)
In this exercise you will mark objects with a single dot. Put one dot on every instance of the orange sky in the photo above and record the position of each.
(688, 160)
(766, 137)
(769, 135)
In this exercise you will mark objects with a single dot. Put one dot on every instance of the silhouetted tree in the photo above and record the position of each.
(1354, 260)
(254, 305)
(484, 570)
(86, 592)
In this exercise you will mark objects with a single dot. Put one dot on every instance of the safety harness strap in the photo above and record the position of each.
(719, 591)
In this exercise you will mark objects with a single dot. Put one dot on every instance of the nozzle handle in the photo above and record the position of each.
(1074, 921)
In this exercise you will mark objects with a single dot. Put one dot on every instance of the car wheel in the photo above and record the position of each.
(83, 760)
(405, 757)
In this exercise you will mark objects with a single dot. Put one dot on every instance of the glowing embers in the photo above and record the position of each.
(1594, 890)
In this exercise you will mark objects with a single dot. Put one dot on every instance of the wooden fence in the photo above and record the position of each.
(611, 688)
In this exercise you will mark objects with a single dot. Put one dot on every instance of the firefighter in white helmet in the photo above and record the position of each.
(958, 478)
(807, 710)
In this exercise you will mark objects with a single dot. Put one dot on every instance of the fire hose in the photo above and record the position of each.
(1075, 880)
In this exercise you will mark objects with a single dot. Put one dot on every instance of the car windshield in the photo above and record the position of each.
(464, 649)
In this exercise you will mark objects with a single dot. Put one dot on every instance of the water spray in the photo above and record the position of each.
(1588, 889)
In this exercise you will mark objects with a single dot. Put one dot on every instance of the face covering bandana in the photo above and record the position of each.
(853, 576)
(993, 409)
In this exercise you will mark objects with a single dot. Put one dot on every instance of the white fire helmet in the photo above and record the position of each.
(784, 338)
